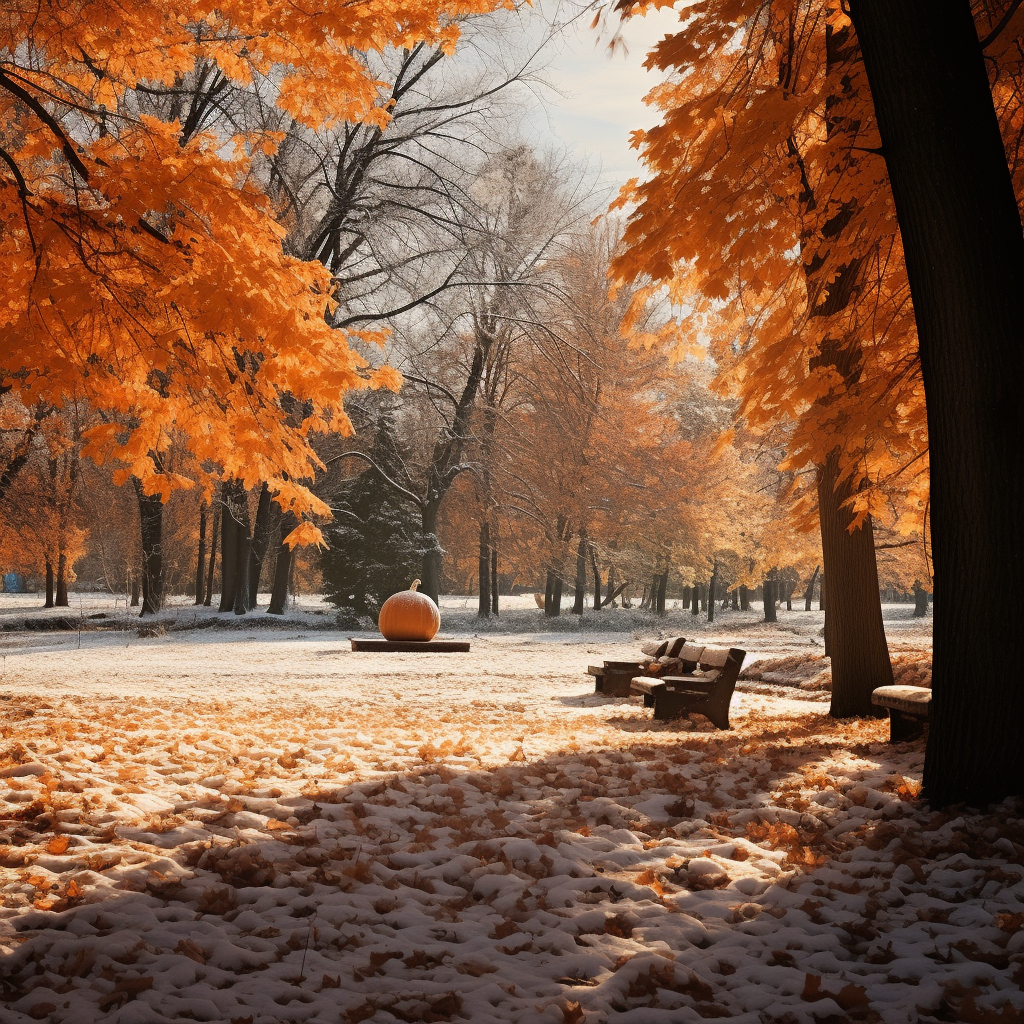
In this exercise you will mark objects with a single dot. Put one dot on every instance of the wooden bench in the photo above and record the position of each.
(613, 677)
(909, 710)
(707, 687)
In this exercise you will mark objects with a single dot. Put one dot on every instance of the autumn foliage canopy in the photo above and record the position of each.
(145, 271)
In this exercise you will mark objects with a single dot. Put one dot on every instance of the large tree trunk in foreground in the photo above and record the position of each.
(855, 636)
(151, 523)
(965, 261)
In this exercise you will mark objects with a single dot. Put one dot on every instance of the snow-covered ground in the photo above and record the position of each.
(255, 824)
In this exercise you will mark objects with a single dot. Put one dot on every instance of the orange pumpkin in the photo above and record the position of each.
(409, 615)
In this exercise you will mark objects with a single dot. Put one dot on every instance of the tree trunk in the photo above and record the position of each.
(768, 592)
(61, 598)
(228, 551)
(790, 587)
(49, 584)
(201, 556)
(597, 578)
(662, 592)
(484, 571)
(262, 531)
(711, 593)
(430, 571)
(282, 567)
(744, 598)
(549, 588)
(821, 593)
(695, 600)
(735, 600)
(240, 513)
(581, 575)
(135, 592)
(609, 598)
(964, 249)
(211, 569)
(810, 588)
(855, 636)
(494, 577)
(920, 600)
(151, 520)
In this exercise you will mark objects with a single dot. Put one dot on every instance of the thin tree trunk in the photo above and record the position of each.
(810, 588)
(212, 567)
(240, 513)
(735, 600)
(494, 577)
(151, 518)
(790, 587)
(484, 571)
(597, 578)
(711, 593)
(49, 584)
(662, 592)
(282, 567)
(821, 593)
(695, 600)
(768, 592)
(744, 598)
(201, 556)
(920, 600)
(581, 575)
(228, 551)
(855, 635)
(61, 598)
(262, 531)
(135, 592)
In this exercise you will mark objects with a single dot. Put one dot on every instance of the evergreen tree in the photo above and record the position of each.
(373, 550)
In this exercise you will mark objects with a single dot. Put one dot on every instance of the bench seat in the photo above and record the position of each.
(707, 691)
(909, 710)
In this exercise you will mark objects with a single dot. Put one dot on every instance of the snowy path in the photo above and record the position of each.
(205, 826)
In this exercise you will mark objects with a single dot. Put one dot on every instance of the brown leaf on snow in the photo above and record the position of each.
(58, 844)
(124, 990)
(572, 1013)
(849, 997)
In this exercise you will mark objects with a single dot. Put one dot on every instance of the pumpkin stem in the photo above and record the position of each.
(414, 584)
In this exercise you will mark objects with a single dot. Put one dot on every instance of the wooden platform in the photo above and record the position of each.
(412, 646)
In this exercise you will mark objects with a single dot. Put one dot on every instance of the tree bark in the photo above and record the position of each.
(484, 571)
(662, 591)
(744, 598)
(201, 556)
(262, 531)
(211, 569)
(228, 551)
(135, 592)
(855, 635)
(964, 251)
(494, 577)
(282, 567)
(810, 588)
(920, 600)
(695, 600)
(597, 578)
(581, 575)
(711, 593)
(735, 600)
(151, 519)
(61, 597)
(768, 595)
(240, 513)
(49, 584)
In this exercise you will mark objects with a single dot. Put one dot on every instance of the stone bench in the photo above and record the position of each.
(909, 710)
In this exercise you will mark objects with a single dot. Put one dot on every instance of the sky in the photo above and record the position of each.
(602, 95)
